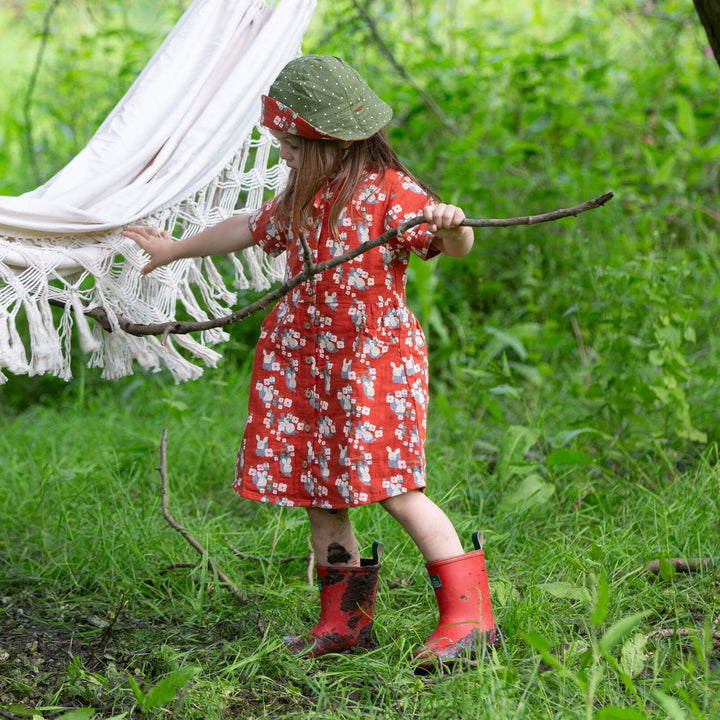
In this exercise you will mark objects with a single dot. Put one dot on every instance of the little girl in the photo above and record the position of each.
(338, 396)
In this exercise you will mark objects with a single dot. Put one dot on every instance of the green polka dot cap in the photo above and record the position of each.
(322, 97)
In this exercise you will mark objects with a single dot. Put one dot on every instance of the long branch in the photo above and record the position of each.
(212, 567)
(181, 328)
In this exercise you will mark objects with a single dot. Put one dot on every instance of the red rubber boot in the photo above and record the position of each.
(347, 607)
(466, 617)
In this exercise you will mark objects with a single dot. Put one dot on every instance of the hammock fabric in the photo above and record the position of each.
(182, 150)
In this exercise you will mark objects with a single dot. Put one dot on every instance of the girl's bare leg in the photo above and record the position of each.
(333, 537)
(428, 526)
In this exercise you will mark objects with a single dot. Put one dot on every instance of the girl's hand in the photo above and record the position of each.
(451, 237)
(443, 216)
(156, 243)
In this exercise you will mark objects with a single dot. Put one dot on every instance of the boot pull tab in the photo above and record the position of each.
(478, 539)
(377, 551)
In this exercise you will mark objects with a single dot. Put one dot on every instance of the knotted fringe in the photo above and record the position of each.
(109, 278)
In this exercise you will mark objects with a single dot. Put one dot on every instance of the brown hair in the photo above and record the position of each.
(341, 164)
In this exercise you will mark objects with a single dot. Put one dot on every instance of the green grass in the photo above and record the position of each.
(87, 596)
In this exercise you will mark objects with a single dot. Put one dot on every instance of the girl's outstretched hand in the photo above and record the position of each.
(156, 243)
(451, 237)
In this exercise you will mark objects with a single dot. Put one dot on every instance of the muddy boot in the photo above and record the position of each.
(466, 617)
(347, 606)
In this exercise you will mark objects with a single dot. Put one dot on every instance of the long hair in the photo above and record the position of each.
(343, 166)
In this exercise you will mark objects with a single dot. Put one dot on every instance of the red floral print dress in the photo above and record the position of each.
(338, 396)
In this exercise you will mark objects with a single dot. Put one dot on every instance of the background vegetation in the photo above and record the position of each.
(574, 374)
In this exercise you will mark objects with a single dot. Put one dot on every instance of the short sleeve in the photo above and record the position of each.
(267, 233)
(406, 200)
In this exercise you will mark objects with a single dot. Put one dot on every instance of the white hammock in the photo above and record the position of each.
(182, 150)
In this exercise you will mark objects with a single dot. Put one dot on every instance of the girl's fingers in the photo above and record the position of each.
(443, 216)
(145, 233)
(152, 241)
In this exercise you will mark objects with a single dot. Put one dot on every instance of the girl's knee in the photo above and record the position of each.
(400, 505)
(322, 516)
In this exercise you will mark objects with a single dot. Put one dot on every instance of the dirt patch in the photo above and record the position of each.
(81, 661)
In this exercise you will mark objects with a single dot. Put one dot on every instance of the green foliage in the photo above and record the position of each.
(93, 52)
(642, 369)
(86, 559)
(539, 109)
(164, 690)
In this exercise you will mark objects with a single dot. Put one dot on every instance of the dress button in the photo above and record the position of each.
(308, 325)
(305, 464)
(308, 360)
(307, 428)
(308, 393)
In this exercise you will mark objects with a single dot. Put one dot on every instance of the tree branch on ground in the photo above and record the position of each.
(683, 565)
(177, 566)
(212, 567)
(8, 716)
(260, 558)
(679, 632)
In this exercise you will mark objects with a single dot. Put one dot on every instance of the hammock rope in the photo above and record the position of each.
(182, 150)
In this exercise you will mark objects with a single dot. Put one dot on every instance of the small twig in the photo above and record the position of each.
(29, 141)
(307, 252)
(684, 565)
(310, 563)
(108, 631)
(97, 314)
(169, 329)
(434, 107)
(178, 566)
(212, 567)
(551, 216)
(8, 716)
(679, 632)
(260, 558)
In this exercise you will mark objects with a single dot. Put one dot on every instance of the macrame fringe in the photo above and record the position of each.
(110, 279)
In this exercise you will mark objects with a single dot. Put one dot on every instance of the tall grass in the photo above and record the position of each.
(85, 547)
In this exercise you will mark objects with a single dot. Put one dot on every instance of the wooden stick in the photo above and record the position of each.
(212, 567)
(260, 558)
(679, 632)
(181, 328)
(684, 565)
(178, 566)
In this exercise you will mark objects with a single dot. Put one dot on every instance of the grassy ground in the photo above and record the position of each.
(90, 600)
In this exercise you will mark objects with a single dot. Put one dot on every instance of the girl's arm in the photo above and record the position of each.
(227, 236)
(450, 237)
